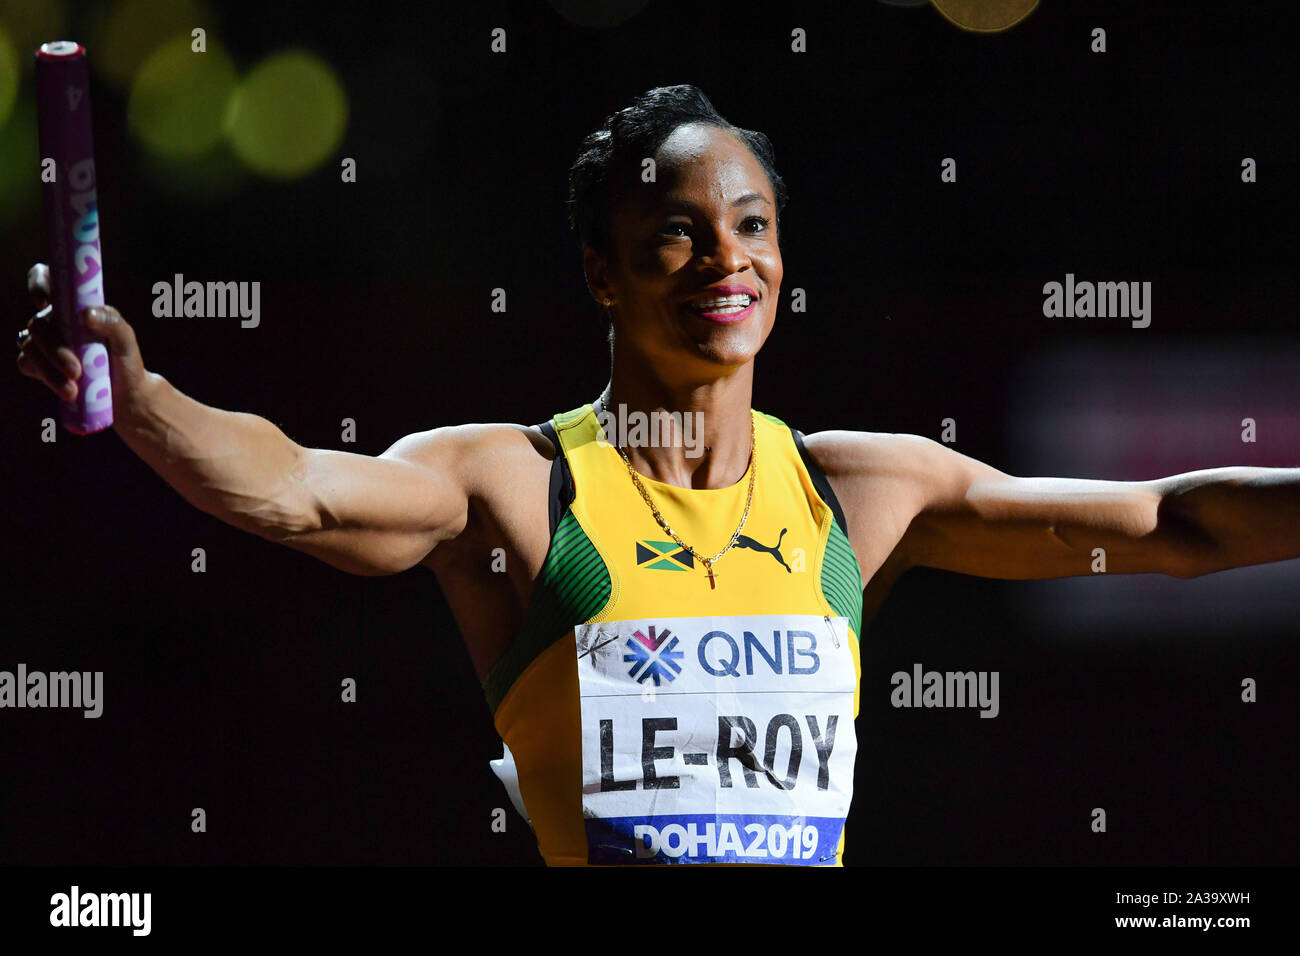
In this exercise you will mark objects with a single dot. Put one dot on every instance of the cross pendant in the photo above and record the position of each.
(709, 568)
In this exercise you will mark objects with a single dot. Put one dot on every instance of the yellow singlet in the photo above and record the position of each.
(652, 719)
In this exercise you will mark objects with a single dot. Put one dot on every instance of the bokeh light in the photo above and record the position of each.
(178, 98)
(211, 178)
(133, 29)
(985, 16)
(288, 115)
(20, 181)
(10, 73)
(31, 23)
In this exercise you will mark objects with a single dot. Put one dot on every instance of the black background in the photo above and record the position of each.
(222, 688)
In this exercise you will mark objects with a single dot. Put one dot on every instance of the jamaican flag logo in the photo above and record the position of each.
(663, 556)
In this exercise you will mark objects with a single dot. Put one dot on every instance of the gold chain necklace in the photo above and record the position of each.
(749, 497)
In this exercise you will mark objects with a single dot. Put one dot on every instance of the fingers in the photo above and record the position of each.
(107, 323)
(38, 285)
(46, 341)
(44, 356)
(37, 363)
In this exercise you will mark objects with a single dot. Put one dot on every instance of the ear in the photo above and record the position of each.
(596, 270)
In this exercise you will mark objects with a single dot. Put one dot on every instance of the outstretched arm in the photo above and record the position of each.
(969, 517)
(363, 515)
(360, 514)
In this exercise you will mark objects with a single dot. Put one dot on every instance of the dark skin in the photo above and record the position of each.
(447, 497)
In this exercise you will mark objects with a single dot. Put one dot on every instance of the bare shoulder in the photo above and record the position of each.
(920, 474)
(884, 482)
(853, 455)
(502, 472)
(483, 456)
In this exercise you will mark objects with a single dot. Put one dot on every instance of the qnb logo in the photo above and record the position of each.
(652, 657)
(720, 654)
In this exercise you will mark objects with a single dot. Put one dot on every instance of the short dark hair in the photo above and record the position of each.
(610, 157)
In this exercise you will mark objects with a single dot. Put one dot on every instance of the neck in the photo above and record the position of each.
(692, 434)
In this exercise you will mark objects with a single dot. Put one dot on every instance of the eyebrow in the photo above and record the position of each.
(742, 200)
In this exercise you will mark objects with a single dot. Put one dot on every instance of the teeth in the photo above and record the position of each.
(724, 304)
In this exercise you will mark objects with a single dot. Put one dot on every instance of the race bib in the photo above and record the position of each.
(716, 739)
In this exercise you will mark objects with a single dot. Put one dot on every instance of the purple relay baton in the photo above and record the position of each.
(72, 225)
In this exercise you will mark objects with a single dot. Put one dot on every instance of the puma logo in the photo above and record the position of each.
(745, 541)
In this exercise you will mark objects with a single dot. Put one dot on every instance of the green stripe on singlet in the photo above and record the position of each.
(573, 586)
(841, 575)
(841, 578)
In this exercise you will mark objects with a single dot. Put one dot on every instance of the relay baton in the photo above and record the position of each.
(72, 225)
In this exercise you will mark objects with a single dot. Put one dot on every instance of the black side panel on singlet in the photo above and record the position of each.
(561, 491)
(820, 481)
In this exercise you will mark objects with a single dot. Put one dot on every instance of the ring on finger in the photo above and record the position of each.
(25, 335)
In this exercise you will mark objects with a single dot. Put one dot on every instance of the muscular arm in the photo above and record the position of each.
(969, 517)
(365, 515)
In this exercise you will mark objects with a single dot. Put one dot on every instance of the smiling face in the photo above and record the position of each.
(683, 247)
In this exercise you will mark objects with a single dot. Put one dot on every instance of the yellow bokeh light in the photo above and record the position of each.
(20, 182)
(985, 16)
(10, 73)
(178, 98)
(215, 177)
(133, 29)
(31, 23)
(288, 115)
